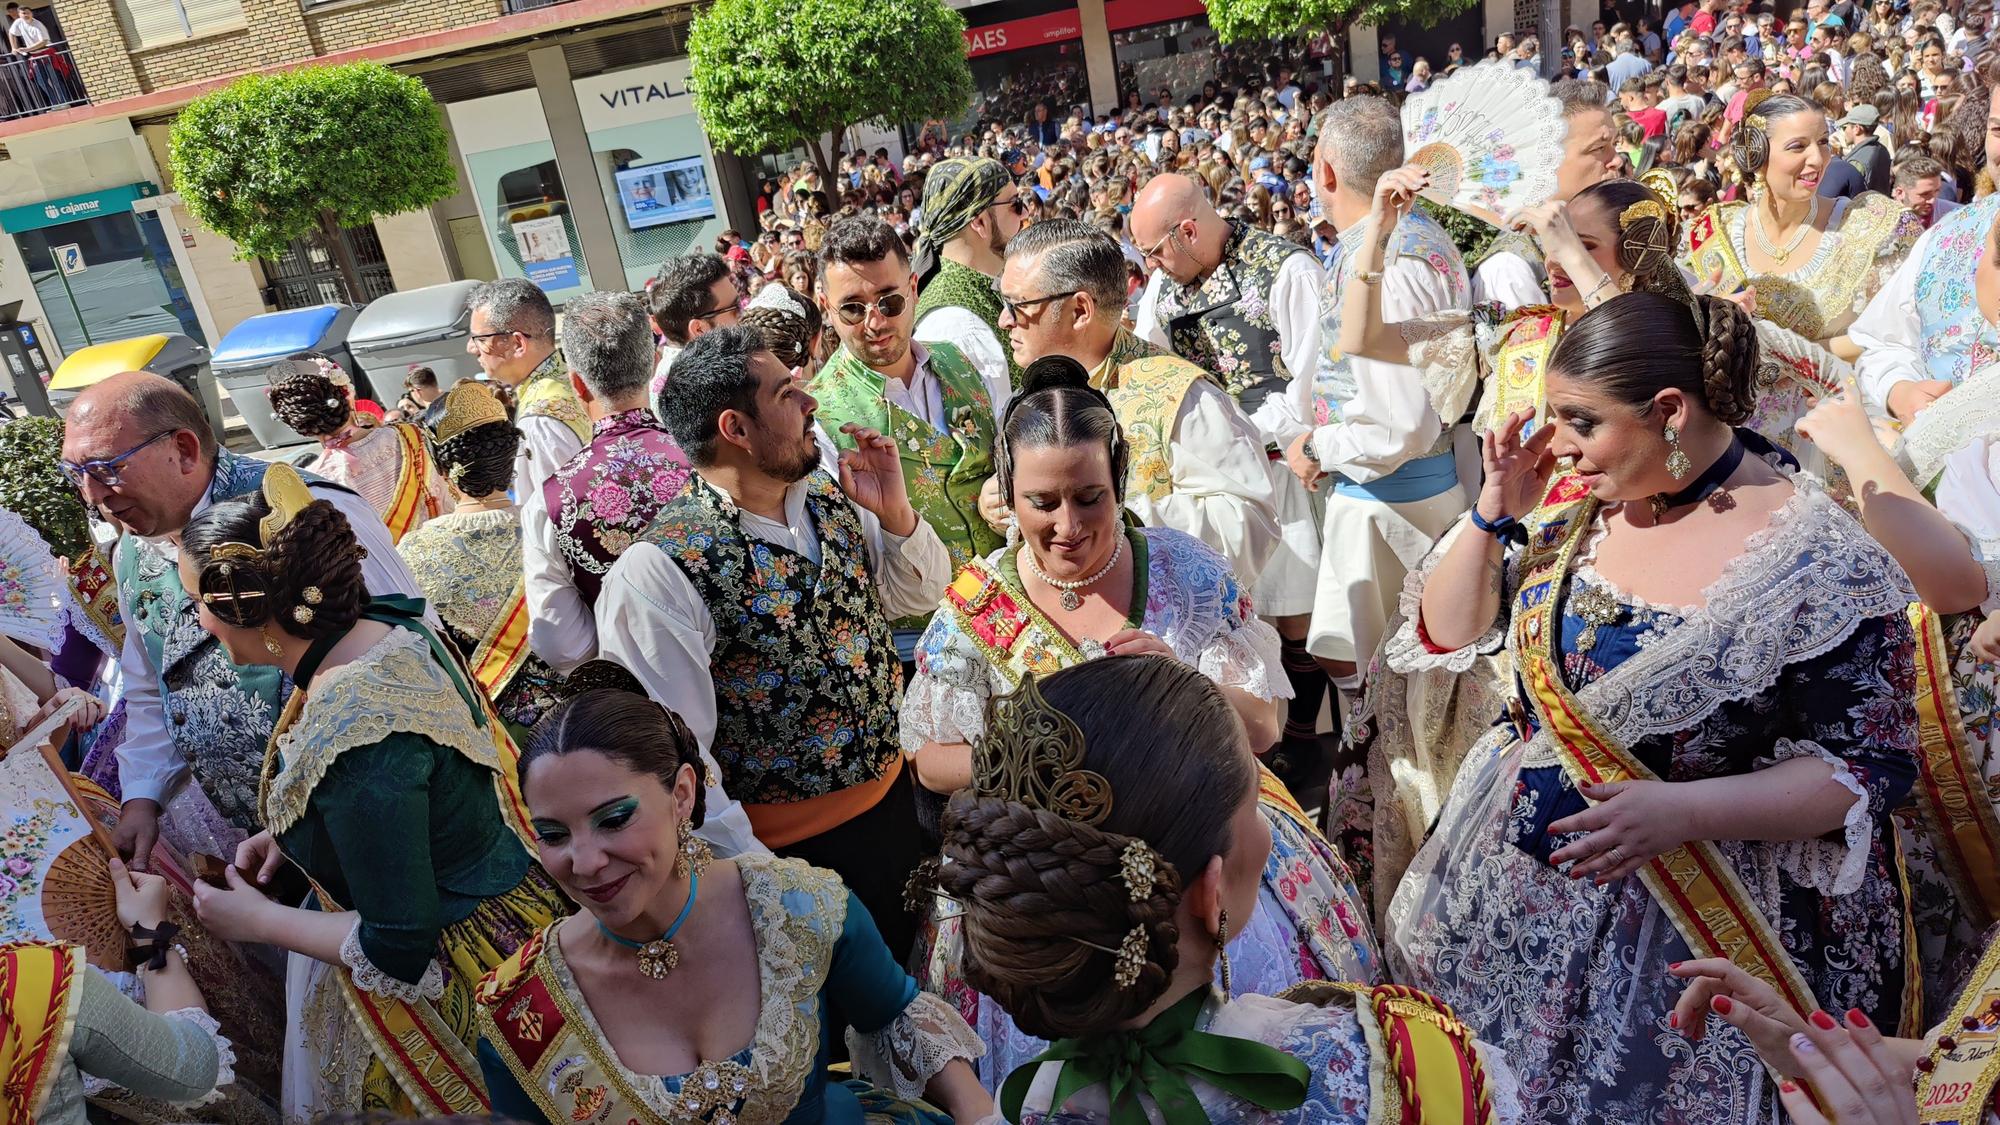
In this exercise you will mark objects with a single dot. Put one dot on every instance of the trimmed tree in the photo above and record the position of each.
(271, 158)
(1237, 21)
(771, 75)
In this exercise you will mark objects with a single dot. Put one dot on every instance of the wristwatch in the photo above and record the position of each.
(1311, 452)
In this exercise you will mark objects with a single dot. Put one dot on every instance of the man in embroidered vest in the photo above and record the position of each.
(575, 525)
(1396, 486)
(1512, 274)
(1244, 306)
(1196, 461)
(689, 296)
(927, 398)
(757, 608)
(139, 449)
(971, 208)
(514, 339)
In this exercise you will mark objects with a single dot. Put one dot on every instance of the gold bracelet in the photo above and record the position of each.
(1369, 277)
(1594, 291)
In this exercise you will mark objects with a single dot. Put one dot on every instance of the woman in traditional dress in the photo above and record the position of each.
(1715, 696)
(1813, 262)
(388, 782)
(1082, 584)
(384, 463)
(69, 1027)
(688, 989)
(467, 561)
(1111, 841)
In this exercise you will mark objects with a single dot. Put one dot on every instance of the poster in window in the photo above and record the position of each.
(547, 257)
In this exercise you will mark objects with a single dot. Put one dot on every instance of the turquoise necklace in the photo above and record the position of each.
(658, 957)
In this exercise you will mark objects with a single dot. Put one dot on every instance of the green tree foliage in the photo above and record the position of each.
(1237, 21)
(32, 485)
(274, 157)
(770, 75)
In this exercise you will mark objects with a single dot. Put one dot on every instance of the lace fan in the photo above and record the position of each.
(30, 585)
(1491, 137)
(55, 878)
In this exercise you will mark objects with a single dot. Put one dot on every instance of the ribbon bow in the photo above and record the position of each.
(1156, 1062)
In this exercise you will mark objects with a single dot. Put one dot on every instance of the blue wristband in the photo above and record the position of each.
(1506, 529)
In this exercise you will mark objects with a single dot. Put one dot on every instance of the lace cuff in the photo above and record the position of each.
(225, 1052)
(1407, 650)
(1444, 348)
(1827, 866)
(1986, 552)
(935, 709)
(904, 1055)
(369, 978)
(1248, 657)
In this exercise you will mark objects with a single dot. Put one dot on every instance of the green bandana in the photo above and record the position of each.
(955, 192)
(1156, 1062)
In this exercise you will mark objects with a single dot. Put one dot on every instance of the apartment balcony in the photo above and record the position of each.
(40, 82)
(512, 6)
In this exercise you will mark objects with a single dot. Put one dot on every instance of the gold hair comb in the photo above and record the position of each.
(466, 405)
(1032, 754)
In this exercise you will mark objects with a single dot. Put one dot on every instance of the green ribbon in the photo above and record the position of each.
(1156, 1063)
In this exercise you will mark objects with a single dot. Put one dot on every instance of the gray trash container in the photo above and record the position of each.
(178, 357)
(427, 326)
(243, 359)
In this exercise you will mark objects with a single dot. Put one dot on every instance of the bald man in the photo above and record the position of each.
(1245, 306)
(140, 451)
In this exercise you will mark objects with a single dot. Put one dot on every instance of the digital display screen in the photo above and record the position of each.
(672, 191)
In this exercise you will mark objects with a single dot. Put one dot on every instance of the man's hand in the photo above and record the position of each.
(138, 828)
(1303, 467)
(872, 476)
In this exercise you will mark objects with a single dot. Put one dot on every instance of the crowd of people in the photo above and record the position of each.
(1140, 619)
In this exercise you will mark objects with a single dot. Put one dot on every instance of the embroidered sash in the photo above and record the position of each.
(987, 604)
(1710, 249)
(1958, 1085)
(1521, 367)
(39, 995)
(1423, 1068)
(1693, 883)
(411, 497)
(94, 594)
(504, 648)
(1951, 789)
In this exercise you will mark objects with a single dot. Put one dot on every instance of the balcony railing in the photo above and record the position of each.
(513, 6)
(39, 82)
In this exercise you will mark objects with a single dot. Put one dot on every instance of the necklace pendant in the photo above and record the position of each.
(657, 958)
(1070, 601)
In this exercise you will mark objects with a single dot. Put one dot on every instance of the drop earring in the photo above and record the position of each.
(271, 644)
(694, 853)
(1222, 948)
(1678, 465)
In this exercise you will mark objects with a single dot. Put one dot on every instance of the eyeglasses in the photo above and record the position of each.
(1153, 255)
(482, 337)
(889, 306)
(108, 471)
(1019, 205)
(1015, 308)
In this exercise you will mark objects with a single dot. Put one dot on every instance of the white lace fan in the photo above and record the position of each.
(30, 585)
(1491, 137)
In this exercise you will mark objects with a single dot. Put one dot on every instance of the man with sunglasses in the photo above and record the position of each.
(971, 208)
(139, 450)
(926, 398)
(691, 294)
(514, 339)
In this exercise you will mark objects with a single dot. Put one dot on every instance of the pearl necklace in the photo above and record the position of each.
(1777, 254)
(1070, 601)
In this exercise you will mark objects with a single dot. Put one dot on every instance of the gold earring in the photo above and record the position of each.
(694, 853)
(271, 644)
(1222, 948)
(1678, 465)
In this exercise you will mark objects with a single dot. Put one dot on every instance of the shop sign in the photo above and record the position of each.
(1016, 34)
(111, 201)
(637, 94)
(546, 255)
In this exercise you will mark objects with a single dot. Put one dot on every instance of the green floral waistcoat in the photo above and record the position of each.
(968, 289)
(807, 684)
(942, 471)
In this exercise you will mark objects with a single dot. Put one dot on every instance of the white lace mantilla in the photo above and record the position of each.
(370, 978)
(905, 1055)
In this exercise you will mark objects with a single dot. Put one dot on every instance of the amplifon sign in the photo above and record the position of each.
(1056, 27)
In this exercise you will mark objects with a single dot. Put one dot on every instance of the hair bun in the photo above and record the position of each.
(1053, 371)
(1729, 358)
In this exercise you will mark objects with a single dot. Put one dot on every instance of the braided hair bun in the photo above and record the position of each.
(1729, 358)
(316, 549)
(1638, 344)
(1750, 145)
(306, 398)
(479, 461)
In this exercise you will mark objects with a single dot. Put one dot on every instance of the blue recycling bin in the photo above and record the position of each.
(243, 359)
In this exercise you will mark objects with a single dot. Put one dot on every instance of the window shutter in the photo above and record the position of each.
(151, 23)
(206, 16)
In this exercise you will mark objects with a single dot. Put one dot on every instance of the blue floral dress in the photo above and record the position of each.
(1801, 650)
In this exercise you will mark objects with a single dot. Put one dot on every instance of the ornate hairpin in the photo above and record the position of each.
(1032, 754)
(1756, 121)
(334, 373)
(1658, 238)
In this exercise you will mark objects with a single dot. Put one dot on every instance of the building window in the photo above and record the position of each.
(307, 274)
(157, 23)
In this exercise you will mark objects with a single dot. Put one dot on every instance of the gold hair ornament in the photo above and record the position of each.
(1032, 754)
(1657, 239)
(468, 404)
(286, 494)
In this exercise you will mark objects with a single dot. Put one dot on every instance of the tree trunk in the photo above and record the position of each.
(343, 258)
(1551, 36)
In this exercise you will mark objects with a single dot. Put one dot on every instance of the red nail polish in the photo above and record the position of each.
(1673, 1019)
(1673, 964)
(1857, 1018)
(1722, 1005)
(1823, 1021)
(1789, 1086)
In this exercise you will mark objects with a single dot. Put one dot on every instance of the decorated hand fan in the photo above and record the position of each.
(31, 585)
(55, 878)
(1491, 138)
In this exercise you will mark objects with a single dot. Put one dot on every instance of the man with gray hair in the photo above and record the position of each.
(590, 509)
(514, 339)
(1395, 484)
(1195, 461)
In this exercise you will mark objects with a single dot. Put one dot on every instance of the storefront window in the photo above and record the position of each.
(110, 276)
(1010, 85)
(524, 205)
(652, 164)
(1177, 57)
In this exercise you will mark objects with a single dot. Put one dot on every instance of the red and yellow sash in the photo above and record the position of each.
(1693, 883)
(504, 648)
(1521, 367)
(1958, 1085)
(412, 496)
(1951, 787)
(1709, 249)
(1422, 1066)
(39, 995)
